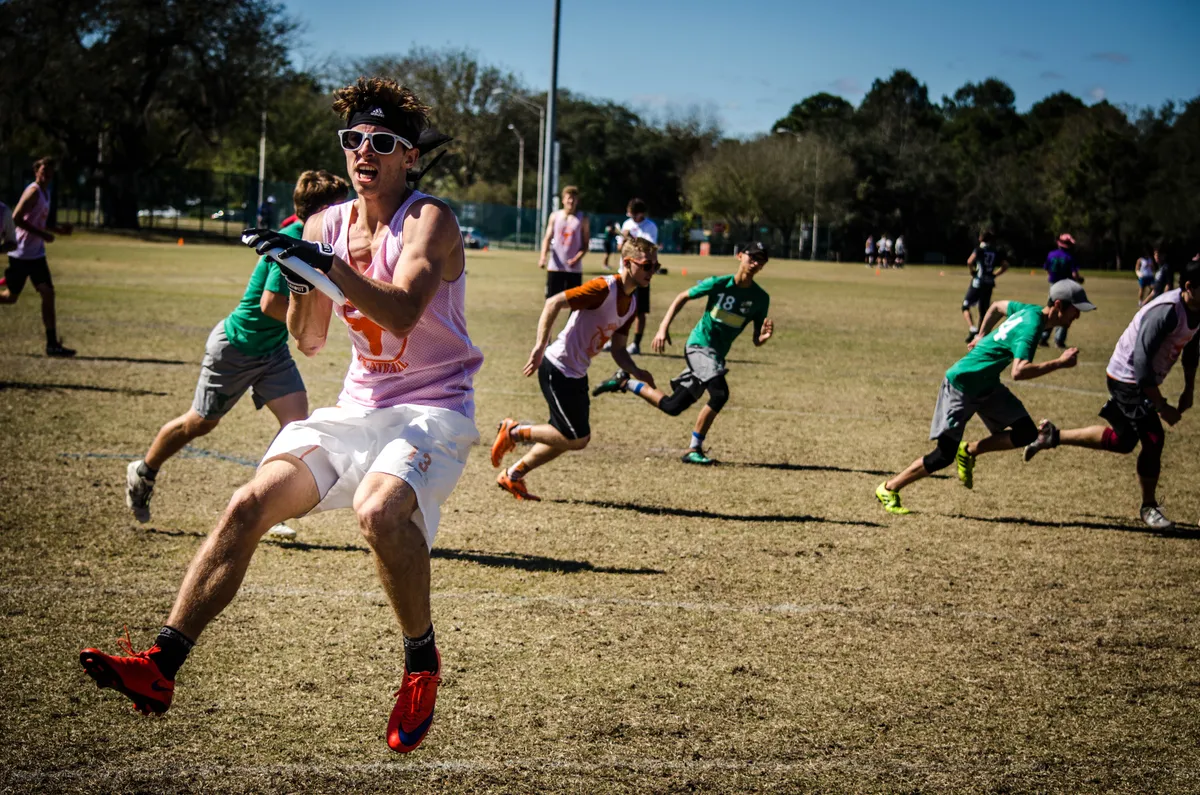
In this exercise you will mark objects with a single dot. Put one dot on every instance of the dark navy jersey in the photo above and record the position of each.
(987, 259)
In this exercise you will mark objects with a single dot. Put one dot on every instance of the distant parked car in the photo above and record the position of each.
(160, 212)
(596, 244)
(472, 238)
(227, 215)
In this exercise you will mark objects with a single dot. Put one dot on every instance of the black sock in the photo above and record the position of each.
(173, 647)
(420, 654)
(51, 336)
(637, 340)
(146, 472)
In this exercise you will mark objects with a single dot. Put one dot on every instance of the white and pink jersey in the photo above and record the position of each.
(566, 243)
(1120, 366)
(587, 330)
(435, 364)
(29, 245)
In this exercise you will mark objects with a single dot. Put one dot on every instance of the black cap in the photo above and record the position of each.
(757, 251)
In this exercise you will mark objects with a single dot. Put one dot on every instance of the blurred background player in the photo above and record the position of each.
(1060, 264)
(1164, 274)
(733, 302)
(1144, 270)
(396, 444)
(246, 350)
(984, 264)
(972, 386)
(610, 243)
(870, 250)
(885, 251)
(27, 261)
(565, 244)
(639, 225)
(602, 309)
(900, 251)
(8, 232)
(1162, 332)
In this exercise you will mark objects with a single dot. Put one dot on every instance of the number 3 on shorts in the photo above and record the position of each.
(423, 464)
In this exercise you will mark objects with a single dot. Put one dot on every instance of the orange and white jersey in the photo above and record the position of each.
(597, 315)
(435, 364)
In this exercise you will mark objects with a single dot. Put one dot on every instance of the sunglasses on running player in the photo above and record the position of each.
(644, 264)
(384, 143)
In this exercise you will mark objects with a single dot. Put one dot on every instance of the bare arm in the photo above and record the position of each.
(546, 242)
(586, 230)
(274, 305)
(431, 239)
(971, 264)
(996, 311)
(308, 315)
(1003, 267)
(1024, 370)
(663, 338)
(554, 305)
(22, 209)
(621, 356)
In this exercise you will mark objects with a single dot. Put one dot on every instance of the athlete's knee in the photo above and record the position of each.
(46, 291)
(941, 456)
(244, 516)
(1149, 462)
(382, 513)
(718, 394)
(676, 403)
(1117, 442)
(194, 425)
(580, 443)
(1023, 432)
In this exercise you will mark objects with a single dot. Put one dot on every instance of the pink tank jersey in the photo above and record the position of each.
(586, 332)
(29, 245)
(566, 243)
(435, 364)
(1120, 366)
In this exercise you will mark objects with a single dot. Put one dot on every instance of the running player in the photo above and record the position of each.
(565, 245)
(972, 386)
(1144, 269)
(639, 225)
(396, 443)
(27, 261)
(1162, 332)
(246, 350)
(733, 302)
(602, 309)
(1164, 275)
(984, 265)
(1061, 264)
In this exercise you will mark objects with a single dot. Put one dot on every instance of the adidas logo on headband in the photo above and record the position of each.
(377, 112)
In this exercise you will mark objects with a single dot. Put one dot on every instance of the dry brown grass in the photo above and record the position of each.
(761, 625)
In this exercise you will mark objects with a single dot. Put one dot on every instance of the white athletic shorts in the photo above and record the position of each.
(424, 446)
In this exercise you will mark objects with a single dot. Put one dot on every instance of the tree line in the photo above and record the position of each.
(126, 96)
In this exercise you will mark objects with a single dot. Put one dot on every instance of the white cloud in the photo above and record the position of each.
(1098, 93)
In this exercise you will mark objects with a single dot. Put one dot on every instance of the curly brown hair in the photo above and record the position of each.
(639, 245)
(382, 91)
(316, 190)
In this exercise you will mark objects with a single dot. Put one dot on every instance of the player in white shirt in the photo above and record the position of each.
(639, 225)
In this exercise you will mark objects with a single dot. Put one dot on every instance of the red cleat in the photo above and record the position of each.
(413, 714)
(516, 487)
(134, 674)
(504, 442)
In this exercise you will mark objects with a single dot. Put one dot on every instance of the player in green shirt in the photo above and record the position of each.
(733, 302)
(972, 386)
(246, 350)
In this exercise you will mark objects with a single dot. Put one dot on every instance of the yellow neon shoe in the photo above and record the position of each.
(890, 499)
(966, 465)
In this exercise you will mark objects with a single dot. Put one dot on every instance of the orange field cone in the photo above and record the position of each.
(181, 241)
(1033, 273)
(683, 271)
(941, 273)
(877, 271)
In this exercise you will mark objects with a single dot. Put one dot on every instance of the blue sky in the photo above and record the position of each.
(747, 62)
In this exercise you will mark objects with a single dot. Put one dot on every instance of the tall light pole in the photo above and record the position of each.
(520, 177)
(262, 162)
(816, 184)
(551, 97)
(541, 112)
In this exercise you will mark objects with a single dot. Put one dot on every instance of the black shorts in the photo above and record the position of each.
(561, 281)
(1129, 411)
(35, 270)
(981, 295)
(643, 299)
(568, 401)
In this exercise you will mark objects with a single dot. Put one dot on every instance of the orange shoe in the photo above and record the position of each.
(516, 487)
(504, 443)
(413, 714)
(134, 674)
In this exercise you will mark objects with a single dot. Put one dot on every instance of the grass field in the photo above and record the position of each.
(761, 625)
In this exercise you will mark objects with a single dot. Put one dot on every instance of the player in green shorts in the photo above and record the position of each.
(972, 386)
(246, 350)
(733, 302)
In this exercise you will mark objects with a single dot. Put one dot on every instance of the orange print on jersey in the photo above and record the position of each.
(372, 332)
(600, 339)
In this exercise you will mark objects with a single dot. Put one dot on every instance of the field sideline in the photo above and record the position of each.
(761, 625)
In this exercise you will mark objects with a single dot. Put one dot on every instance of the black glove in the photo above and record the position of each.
(316, 255)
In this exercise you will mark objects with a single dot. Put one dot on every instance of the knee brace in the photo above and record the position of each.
(718, 394)
(1023, 432)
(1116, 443)
(677, 402)
(1149, 462)
(942, 455)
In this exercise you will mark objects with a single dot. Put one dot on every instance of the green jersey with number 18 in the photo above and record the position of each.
(729, 310)
(1016, 338)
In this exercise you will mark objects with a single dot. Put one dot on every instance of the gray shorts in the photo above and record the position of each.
(999, 409)
(703, 367)
(226, 373)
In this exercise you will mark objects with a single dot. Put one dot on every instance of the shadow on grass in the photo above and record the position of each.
(651, 354)
(76, 387)
(173, 533)
(503, 560)
(1190, 532)
(129, 359)
(879, 473)
(691, 513)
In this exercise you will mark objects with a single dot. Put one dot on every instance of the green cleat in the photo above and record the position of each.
(614, 384)
(890, 500)
(966, 465)
(696, 457)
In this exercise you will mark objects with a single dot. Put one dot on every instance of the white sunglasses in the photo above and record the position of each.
(383, 143)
